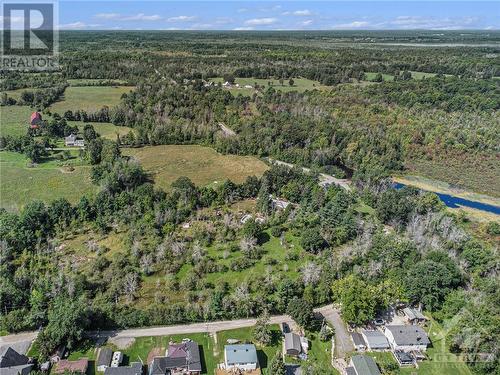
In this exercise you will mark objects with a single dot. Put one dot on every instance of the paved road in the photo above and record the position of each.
(20, 342)
(210, 327)
(324, 179)
(343, 343)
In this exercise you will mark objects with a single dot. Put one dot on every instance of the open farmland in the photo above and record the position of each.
(47, 181)
(299, 84)
(202, 165)
(89, 98)
(14, 120)
(105, 129)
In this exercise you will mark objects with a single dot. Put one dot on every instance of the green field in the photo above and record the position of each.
(105, 129)
(300, 85)
(46, 181)
(202, 165)
(14, 120)
(89, 98)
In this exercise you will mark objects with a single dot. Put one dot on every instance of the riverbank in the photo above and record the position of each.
(454, 193)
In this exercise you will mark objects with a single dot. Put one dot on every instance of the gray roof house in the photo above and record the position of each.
(375, 340)
(407, 338)
(135, 368)
(292, 344)
(180, 359)
(242, 357)
(363, 365)
(358, 341)
(104, 359)
(13, 363)
(414, 315)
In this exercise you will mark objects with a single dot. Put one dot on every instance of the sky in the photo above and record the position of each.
(278, 15)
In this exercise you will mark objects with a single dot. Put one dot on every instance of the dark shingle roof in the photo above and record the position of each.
(135, 368)
(186, 355)
(104, 358)
(408, 335)
(12, 358)
(357, 339)
(292, 342)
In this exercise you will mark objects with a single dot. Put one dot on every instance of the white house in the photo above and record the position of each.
(242, 357)
(407, 338)
(73, 140)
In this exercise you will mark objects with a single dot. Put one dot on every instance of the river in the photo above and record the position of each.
(456, 202)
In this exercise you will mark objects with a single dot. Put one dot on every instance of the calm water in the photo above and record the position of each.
(456, 202)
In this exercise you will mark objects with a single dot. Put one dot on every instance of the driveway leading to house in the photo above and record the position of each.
(20, 342)
(343, 343)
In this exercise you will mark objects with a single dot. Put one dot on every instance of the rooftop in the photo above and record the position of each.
(365, 365)
(375, 339)
(71, 366)
(408, 335)
(242, 353)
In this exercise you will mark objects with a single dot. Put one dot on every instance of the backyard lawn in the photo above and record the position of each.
(299, 84)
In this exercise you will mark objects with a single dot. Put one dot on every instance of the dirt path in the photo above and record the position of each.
(343, 343)
(324, 179)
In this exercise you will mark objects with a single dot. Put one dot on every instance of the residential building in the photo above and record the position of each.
(375, 340)
(407, 338)
(358, 341)
(13, 363)
(104, 359)
(72, 140)
(362, 365)
(180, 359)
(64, 366)
(242, 357)
(414, 316)
(292, 344)
(135, 368)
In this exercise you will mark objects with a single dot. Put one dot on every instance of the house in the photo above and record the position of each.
(278, 204)
(116, 360)
(407, 338)
(403, 358)
(362, 365)
(292, 344)
(104, 359)
(414, 316)
(72, 140)
(180, 359)
(13, 363)
(135, 368)
(35, 120)
(375, 340)
(358, 341)
(241, 357)
(63, 366)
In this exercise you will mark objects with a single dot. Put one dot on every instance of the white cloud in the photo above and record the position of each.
(182, 19)
(261, 21)
(299, 13)
(306, 23)
(353, 25)
(242, 10)
(135, 17)
(243, 28)
(223, 20)
(433, 23)
(79, 25)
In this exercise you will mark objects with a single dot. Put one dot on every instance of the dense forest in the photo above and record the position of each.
(367, 248)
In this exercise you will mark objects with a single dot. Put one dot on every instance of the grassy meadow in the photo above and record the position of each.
(370, 76)
(300, 85)
(14, 120)
(105, 129)
(46, 181)
(89, 98)
(203, 165)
